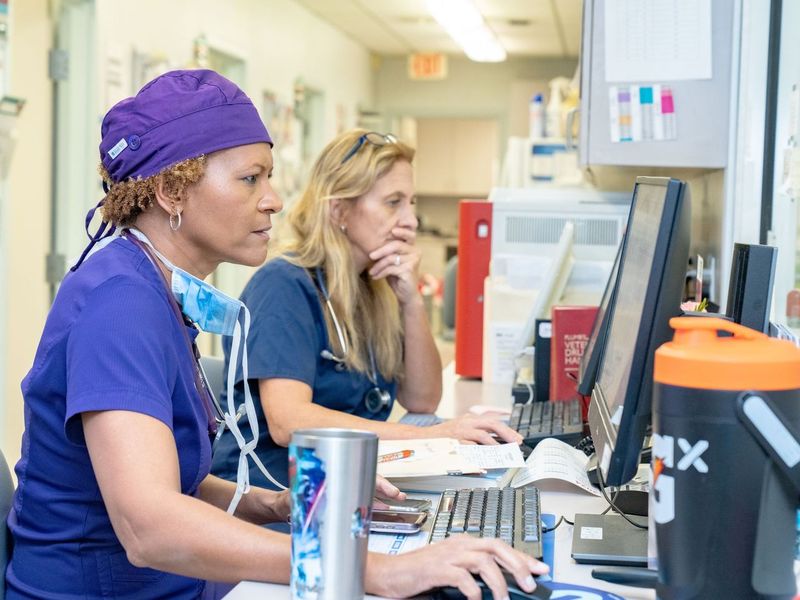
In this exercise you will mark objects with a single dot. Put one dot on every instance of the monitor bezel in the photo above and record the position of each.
(618, 446)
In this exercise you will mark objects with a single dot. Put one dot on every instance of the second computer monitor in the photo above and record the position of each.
(750, 288)
(649, 286)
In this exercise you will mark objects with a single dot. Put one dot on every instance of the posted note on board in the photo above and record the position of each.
(657, 40)
(642, 113)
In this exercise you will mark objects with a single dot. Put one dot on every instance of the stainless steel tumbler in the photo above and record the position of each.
(332, 481)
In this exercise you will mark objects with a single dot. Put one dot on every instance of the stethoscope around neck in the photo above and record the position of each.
(375, 399)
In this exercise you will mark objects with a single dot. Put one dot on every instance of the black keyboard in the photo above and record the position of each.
(513, 515)
(536, 421)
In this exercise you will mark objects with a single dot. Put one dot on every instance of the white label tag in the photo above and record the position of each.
(118, 147)
(698, 281)
(591, 533)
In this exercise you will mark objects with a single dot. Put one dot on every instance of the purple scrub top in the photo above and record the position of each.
(111, 342)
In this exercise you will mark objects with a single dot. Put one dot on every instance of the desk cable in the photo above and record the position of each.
(611, 504)
(530, 393)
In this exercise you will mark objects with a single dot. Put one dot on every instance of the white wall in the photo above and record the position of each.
(471, 90)
(280, 41)
(26, 227)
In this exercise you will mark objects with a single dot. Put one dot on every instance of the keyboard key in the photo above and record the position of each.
(512, 515)
(539, 420)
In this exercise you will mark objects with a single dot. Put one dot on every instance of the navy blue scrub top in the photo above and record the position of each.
(111, 342)
(287, 335)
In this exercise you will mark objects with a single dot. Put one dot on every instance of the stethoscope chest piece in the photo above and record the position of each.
(377, 399)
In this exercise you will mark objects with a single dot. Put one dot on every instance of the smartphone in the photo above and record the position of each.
(407, 505)
(396, 522)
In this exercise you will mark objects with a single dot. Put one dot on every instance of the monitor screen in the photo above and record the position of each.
(648, 293)
(587, 372)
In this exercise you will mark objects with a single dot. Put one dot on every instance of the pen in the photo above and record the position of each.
(395, 455)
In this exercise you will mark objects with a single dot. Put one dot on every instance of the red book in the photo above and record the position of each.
(572, 326)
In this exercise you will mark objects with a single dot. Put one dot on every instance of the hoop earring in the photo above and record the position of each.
(172, 223)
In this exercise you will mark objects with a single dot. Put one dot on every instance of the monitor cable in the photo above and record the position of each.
(611, 502)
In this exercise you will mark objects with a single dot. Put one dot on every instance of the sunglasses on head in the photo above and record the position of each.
(373, 137)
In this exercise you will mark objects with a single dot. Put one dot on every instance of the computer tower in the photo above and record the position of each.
(474, 253)
(750, 287)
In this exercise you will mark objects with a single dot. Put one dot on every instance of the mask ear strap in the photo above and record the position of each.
(202, 390)
(232, 416)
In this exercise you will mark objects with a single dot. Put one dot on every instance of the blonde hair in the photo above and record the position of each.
(366, 309)
(127, 199)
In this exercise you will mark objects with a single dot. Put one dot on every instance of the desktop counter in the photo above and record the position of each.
(459, 395)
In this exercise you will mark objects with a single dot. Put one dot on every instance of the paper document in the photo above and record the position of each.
(502, 456)
(657, 40)
(553, 459)
(396, 543)
(642, 113)
(430, 458)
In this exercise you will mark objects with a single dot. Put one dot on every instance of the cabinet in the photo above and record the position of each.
(702, 106)
(456, 157)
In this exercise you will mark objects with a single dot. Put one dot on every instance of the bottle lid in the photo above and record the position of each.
(538, 98)
(749, 360)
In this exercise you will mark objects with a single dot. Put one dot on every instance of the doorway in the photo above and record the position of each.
(76, 184)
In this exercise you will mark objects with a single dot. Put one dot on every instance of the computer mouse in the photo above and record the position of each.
(542, 591)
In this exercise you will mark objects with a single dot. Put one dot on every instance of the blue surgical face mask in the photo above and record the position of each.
(212, 310)
(215, 312)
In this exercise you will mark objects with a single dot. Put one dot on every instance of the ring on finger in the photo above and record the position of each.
(396, 260)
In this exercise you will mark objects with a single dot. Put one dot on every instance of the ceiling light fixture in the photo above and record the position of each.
(466, 25)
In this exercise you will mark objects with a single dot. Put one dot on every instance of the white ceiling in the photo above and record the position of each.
(524, 27)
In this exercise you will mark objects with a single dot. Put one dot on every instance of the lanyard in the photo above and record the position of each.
(210, 404)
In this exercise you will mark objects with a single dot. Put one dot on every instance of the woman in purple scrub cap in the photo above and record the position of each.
(114, 496)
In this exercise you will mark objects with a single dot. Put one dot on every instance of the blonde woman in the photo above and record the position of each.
(338, 329)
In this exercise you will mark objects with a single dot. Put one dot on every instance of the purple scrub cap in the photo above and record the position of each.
(177, 116)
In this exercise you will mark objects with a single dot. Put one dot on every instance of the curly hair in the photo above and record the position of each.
(126, 200)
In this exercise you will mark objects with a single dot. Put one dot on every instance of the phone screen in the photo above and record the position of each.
(407, 505)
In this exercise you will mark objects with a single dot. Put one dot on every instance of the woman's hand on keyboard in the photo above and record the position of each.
(477, 430)
(452, 562)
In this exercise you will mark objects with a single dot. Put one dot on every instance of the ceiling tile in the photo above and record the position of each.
(524, 27)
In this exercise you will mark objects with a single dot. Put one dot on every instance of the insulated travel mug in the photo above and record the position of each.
(332, 482)
(721, 503)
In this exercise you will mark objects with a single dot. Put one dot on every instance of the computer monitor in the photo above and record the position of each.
(649, 287)
(750, 288)
(587, 371)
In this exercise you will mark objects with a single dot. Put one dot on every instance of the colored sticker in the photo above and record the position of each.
(307, 488)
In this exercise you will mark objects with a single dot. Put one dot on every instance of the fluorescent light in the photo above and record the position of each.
(466, 25)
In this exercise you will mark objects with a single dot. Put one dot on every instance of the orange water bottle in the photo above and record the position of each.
(726, 462)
